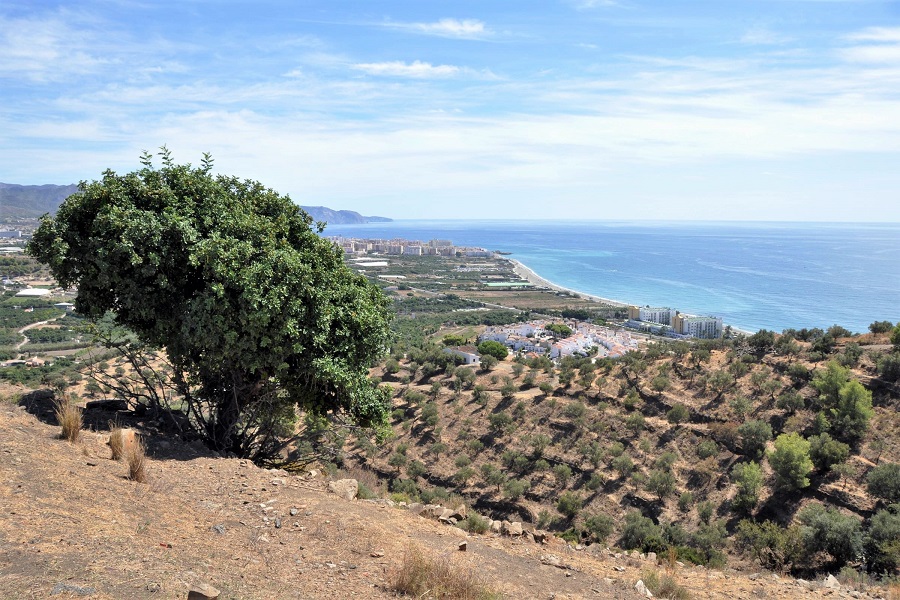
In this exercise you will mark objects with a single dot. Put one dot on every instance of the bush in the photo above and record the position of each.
(69, 417)
(826, 452)
(749, 479)
(881, 327)
(515, 488)
(501, 422)
(474, 523)
(421, 576)
(117, 442)
(623, 465)
(563, 473)
(829, 530)
(850, 418)
(661, 483)
(136, 457)
(883, 482)
(678, 414)
(639, 532)
(775, 547)
(707, 448)
(791, 461)
(415, 469)
(754, 435)
(492, 348)
(889, 367)
(569, 504)
(883, 540)
(598, 527)
(488, 362)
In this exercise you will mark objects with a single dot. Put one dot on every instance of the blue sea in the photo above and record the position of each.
(754, 275)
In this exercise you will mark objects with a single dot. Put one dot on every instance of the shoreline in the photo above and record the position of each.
(529, 275)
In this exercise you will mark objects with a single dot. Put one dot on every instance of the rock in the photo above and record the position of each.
(515, 528)
(59, 588)
(619, 568)
(345, 488)
(551, 560)
(415, 507)
(463, 546)
(641, 589)
(460, 512)
(277, 523)
(831, 583)
(220, 529)
(496, 526)
(651, 556)
(203, 591)
(277, 481)
(376, 553)
(447, 516)
(294, 512)
(111, 404)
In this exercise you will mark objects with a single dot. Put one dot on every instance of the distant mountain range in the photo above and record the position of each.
(340, 217)
(32, 201)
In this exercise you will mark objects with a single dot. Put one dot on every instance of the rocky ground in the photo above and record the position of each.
(72, 525)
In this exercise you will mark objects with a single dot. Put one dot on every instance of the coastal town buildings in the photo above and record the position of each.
(647, 314)
(400, 246)
(698, 327)
(586, 339)
(667, 321)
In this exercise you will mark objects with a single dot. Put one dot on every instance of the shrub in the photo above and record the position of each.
(464, 475)
(883, 482)
(678, 414)
(462, 461)
(501, 422)
(575, 410)
(569, 504)
(881, 327)
(598, 527)
(635, 422)
(826, 452)
(883, 540)
(563, 473)
(117, 442)
(685, 501)
(474, 523)
(850, 418)
(415, 469)
(749, 479)
(791, 461)
(422, 576)
(791, 401)
(889, 367)
(515, 488)
(754, 435)
(639, 531)
(623, 465)
(775, 547)
(69, 417)
(831, 531)
(661, 483)
(705, 511)
(136, 457)
(707, 448)
(595, 482)
(488, 362)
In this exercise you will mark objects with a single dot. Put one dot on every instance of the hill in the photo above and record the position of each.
(32, 201)
(73, 525)
(341, 217)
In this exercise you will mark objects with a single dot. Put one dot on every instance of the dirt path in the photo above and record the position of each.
(32, 326)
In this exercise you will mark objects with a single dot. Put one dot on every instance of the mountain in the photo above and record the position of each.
(32, 201)
(340, 217)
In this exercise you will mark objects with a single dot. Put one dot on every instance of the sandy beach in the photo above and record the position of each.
(529, 275)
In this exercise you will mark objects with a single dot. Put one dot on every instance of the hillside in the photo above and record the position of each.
(340, 217)
(72, 525)
(32, 201)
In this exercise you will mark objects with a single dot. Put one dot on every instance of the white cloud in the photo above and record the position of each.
(885, 49)
(876, 34)
(760, 36)
(589, 4)
(454, 28)
(416, 69)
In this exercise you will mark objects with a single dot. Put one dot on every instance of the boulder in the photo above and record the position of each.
(514, 528)
(345, 488)
(641, 589)
(460, 512)
(496, 526)
(651, 556)
(831, 583)
(203, 591)
(447, 516)
(415, 508)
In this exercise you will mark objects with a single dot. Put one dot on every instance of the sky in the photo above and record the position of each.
(785, 110)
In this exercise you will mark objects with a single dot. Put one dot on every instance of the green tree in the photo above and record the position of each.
(678, 414)
(256, 312)
(748, 479)
(895, 337)
(559, 330)
(883, 541)
(569, 504)
(831, 531)
(488, 362)
(826, 452)
(754, 436)
(661, 482)
(515, 488)
(881, 327)
(829, 383)
(598, 527)
(883, 482)
(790, 461)
(492, 348)
(850, 418)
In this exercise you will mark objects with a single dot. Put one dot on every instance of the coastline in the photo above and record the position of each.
(529, 275)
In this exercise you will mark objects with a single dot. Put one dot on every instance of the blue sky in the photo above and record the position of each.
(602, 109)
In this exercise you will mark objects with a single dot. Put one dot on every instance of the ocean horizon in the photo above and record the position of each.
(755, 275)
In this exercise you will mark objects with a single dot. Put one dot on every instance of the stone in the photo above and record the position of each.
(376, 553)
(447, 516)
(277, 523)
(641, 589)
(460, 512)
(463, 546)
(651, 557)
(277, 481)
(345, 488)
(831, 583)
(496, 526)
(203, 591)
(59, 588)
(515, 528)
(294, 512)
(220, 529)
(551, 560)
(415, 507)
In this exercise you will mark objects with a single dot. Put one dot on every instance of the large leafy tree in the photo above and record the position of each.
(256, 312)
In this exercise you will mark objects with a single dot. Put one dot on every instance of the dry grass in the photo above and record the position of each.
(68, 415)
(136, 457)
(116, 441)
(422, 576)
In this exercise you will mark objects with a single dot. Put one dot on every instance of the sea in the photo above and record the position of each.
(756, 275)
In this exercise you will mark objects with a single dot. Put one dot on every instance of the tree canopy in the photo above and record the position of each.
(252, 307)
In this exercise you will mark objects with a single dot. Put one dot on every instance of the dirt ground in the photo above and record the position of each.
(71, 523)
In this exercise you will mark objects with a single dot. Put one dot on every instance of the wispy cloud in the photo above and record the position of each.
(875, 45)
(416, 69)
(876, 34)
(450, 28)
(589, 4)
(761, 36)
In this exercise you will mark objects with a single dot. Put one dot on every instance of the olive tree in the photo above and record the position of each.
(257, 314)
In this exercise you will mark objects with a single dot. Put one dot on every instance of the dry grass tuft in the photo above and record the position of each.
(116, 441)
(422, 576)
(136, 457)
(68, 415)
